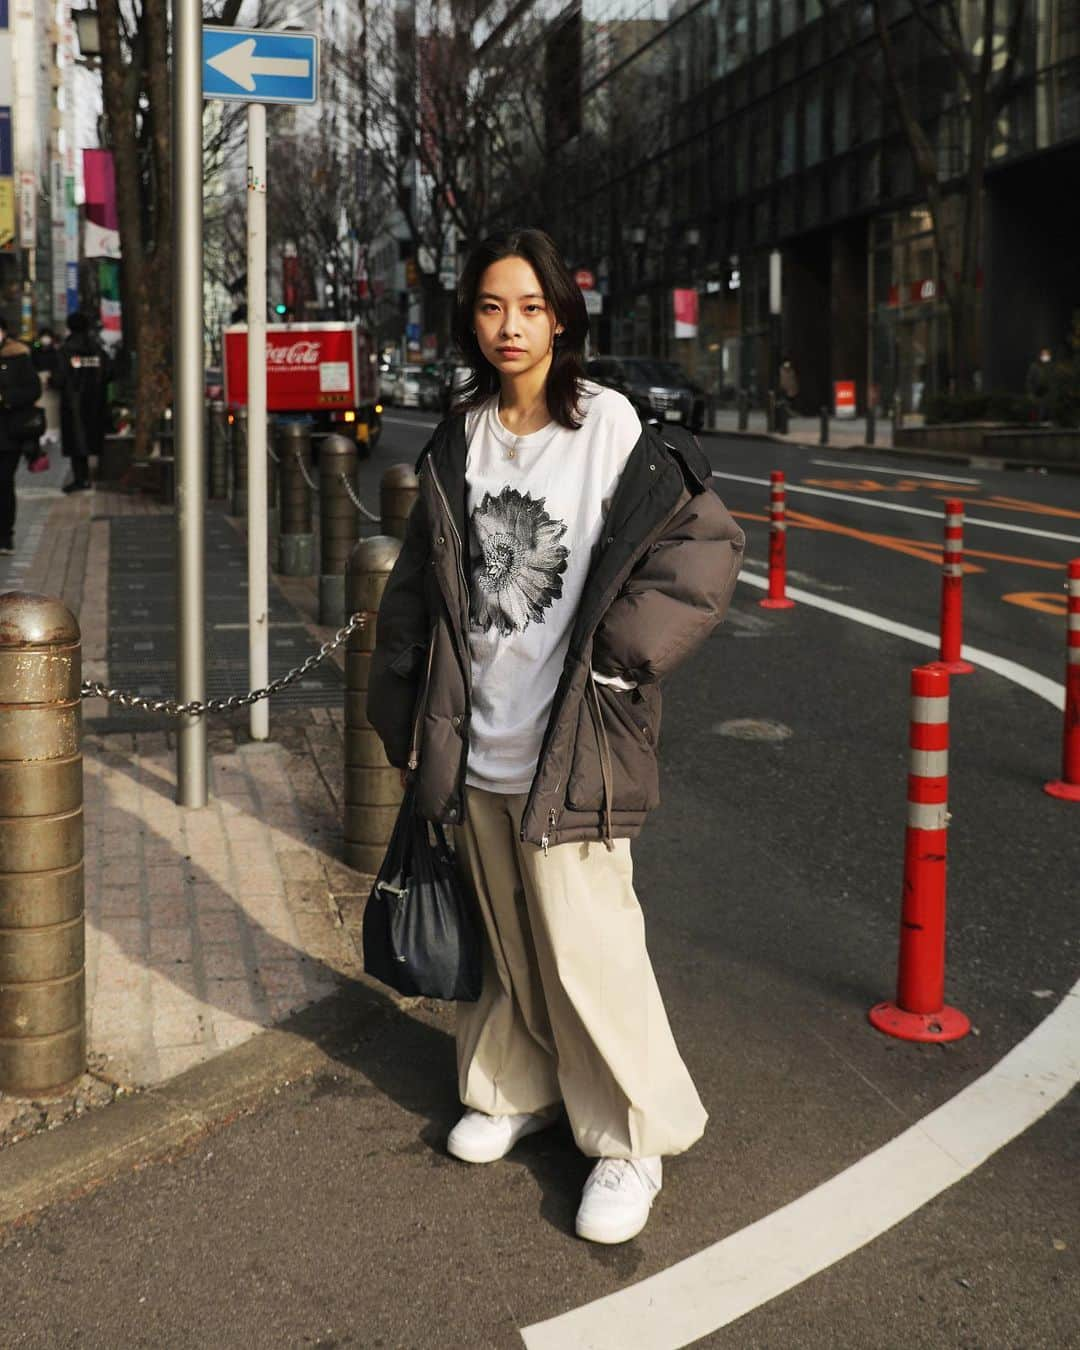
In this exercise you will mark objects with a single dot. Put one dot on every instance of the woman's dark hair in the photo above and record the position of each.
(567, 371)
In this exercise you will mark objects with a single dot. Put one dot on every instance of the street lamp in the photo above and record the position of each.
(88, 33)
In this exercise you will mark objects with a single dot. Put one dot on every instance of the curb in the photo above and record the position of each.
(991, 462)
(80, 1156)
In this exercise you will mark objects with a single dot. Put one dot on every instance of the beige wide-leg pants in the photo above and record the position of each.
(570, 1010)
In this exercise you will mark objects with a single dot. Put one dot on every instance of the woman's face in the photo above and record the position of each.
(515, 326)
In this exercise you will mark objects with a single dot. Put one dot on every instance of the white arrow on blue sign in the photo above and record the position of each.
(253, 65)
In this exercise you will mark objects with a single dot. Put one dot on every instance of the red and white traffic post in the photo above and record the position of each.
(952, 591)
(777, 596)
(919, 1012)
(1067, 786)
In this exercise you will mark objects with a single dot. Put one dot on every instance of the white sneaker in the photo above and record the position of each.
(617, 1198)
(480, 1138)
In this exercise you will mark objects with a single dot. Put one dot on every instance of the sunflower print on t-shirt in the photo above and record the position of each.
(517, 562)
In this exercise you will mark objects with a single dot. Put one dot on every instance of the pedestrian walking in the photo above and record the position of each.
(21, 423)
(82, 378)
(560, 561)
(789, 383)
(1038, 384)
(46, 358)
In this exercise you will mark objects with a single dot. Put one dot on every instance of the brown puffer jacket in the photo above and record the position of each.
(660, 581)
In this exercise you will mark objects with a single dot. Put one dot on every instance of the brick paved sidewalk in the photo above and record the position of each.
(203, 926)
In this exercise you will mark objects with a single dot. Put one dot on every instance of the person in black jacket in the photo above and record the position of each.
(20, 389)
(81, 377)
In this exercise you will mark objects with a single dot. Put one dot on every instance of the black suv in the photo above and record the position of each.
(659, 390)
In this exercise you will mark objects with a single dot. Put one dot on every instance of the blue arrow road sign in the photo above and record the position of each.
(252, 65)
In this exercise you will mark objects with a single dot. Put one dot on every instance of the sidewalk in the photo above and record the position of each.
(203, 927)
(845, 433)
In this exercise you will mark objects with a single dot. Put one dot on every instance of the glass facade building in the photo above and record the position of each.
(745, 150)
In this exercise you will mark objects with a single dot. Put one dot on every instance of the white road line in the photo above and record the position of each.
(904, 510)
(1028, 679)
(897, 473)
(734, 1276)
(407, 421)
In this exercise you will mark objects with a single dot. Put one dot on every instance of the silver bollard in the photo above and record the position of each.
(372, 785)
(296, 542)
(42, 927)
(339, 524)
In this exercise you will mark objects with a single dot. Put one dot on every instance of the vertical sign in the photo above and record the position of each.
(685, 304)
(27, 209)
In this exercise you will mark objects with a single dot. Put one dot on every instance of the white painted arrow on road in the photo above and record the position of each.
(241, 65)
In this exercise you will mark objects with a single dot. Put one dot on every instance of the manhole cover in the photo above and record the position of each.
(752, 729)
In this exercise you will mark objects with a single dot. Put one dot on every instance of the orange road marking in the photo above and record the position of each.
(1046, 602)
(872, 485)
(912, 547)
(1011, 558)
(1032, 508)
(930, 553)
(855, 485)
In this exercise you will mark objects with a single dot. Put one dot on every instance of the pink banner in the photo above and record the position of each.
(99, 179)
(685, 303)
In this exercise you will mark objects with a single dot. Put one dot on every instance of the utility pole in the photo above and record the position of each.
(188, 385)
(258, 582)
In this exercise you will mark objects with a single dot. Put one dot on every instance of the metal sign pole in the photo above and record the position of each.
(188, 398)
(258, 564)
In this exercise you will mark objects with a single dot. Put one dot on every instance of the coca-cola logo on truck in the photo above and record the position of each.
(297, 354)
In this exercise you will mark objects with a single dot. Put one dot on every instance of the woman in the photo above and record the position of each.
(20, 389)
(560, 561)
(82, 377)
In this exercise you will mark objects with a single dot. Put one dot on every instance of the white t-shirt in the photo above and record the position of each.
(536, 505)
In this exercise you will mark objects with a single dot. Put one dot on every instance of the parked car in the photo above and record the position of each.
(430, 390)
(388, 382)
(455, 378)
(659, 390)
(408, 388)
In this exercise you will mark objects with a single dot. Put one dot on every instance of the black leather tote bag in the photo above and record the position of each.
(421, 928)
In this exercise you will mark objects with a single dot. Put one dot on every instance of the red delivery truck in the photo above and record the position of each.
(325, 370)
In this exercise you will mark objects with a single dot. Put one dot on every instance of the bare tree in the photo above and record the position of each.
(451, 134)
(978, 42)
(136, 93)
(317, 210)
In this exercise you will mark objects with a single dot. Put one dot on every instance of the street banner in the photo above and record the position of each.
(101, 236)
(109, 290)
(685, 304)
(7, 215)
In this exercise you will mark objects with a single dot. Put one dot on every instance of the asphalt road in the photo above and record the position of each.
(771, 882)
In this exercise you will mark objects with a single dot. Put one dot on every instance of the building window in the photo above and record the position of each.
(787, 135)
(763, 32)
(812, 123)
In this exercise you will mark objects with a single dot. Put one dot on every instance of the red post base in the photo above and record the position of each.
(777, 604)
(949, 1024)
(955, 667)
(1068, 792)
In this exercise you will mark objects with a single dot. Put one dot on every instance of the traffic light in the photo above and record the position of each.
(280, 309)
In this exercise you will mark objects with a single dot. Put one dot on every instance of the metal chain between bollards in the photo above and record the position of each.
(350, 490)
(303, 469)
(94, 689)
(356, 500)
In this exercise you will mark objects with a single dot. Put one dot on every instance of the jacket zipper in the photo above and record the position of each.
(545, 838)
(414, 748)
(466, 664)
(453, 527)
